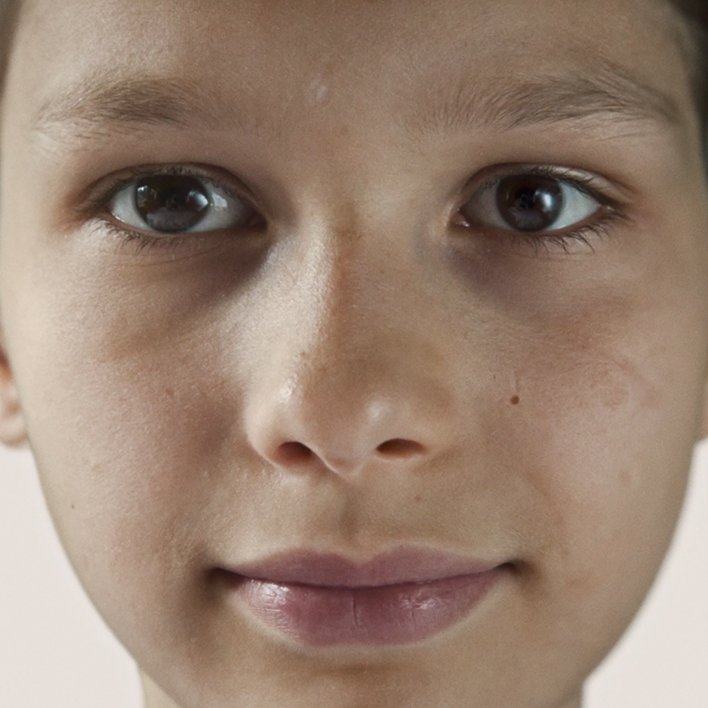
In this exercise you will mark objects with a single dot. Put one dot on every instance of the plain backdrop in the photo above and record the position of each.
(55, 651)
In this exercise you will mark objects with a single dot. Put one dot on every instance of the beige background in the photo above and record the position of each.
(55, 651)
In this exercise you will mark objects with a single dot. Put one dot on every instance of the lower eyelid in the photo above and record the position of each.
(583, 240)
(580, 241)
(135, 243)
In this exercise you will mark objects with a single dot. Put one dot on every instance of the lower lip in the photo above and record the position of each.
(390, 614)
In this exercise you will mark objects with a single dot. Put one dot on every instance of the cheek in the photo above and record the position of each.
(605, 414)
(125, 444)
(129, 461)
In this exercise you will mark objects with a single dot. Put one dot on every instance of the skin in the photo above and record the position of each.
(231, 396)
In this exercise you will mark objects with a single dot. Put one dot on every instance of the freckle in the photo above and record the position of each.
(170, 392)
(515, 400)
(73, 506)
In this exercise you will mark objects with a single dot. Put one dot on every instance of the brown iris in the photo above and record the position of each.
(171, 203)
(529, 202)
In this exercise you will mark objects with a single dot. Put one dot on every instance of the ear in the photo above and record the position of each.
(12, 423)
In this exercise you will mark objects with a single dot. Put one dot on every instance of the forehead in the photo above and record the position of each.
(307, 52)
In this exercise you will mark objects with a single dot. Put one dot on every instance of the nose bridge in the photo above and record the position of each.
(352, 380)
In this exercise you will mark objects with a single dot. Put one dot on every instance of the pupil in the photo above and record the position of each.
(529, 202)
(171, 203)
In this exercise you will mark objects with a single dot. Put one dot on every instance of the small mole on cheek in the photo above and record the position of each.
(515, 400)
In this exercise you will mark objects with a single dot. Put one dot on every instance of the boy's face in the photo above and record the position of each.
(446, 292)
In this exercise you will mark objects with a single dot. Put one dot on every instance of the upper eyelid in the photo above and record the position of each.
(593, 186)
(98, 196)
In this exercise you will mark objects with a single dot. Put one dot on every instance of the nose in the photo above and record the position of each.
(352, 376)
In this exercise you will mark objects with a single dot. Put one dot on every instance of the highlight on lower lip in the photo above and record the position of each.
(389, 614)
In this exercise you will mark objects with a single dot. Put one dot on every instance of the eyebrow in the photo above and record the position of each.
(609, 94)
(106, 102)
(109, 103)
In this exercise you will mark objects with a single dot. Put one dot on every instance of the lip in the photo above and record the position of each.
(402, 596)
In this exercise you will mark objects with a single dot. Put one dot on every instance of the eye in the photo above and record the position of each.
(176, 203)
(530, 204)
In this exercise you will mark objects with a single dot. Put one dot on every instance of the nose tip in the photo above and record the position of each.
(336, 427)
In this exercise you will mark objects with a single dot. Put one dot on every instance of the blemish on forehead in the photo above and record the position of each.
(515, 400)
(318, 90)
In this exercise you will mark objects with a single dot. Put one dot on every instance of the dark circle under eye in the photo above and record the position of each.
(171, 203)
(529, 202)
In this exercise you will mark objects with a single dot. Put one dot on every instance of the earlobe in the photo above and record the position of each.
(12, 423)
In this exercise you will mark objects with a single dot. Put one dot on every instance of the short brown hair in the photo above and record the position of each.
(695, 16)
(7, 22)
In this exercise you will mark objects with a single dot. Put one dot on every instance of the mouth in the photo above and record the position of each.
(400, 597)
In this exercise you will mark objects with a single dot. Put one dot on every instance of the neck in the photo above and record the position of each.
(155, 697)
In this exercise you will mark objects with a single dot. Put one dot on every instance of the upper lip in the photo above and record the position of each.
(402, 565)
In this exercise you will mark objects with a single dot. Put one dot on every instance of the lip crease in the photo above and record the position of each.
(401, 596)
(406, 565)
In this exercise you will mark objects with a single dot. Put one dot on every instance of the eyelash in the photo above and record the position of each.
(145, 241)
(599, 227)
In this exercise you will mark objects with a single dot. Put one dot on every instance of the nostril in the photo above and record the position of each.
(397, 447)
(294, 453)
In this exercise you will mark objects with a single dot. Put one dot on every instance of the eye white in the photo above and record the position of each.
(577, 207)
(225, 211)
